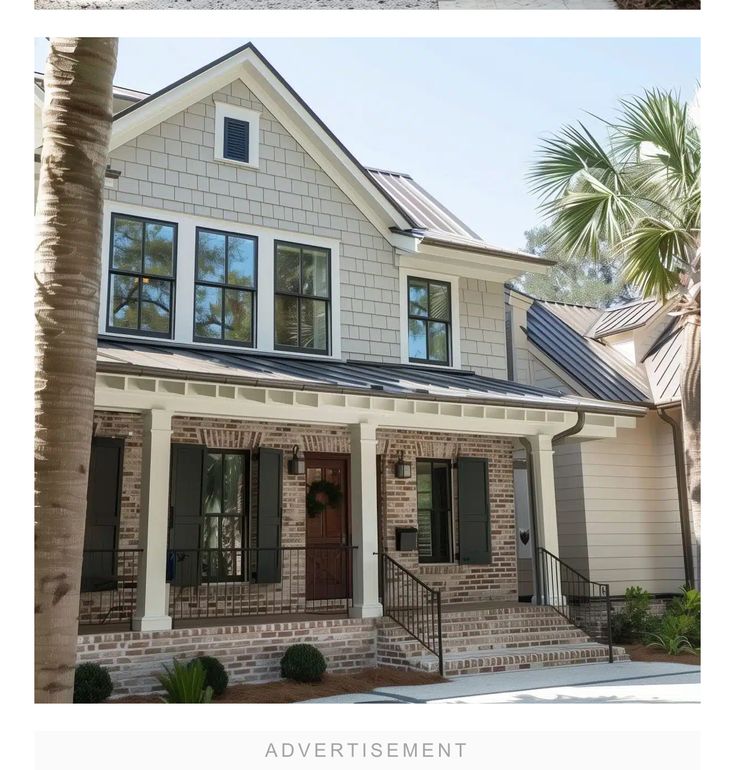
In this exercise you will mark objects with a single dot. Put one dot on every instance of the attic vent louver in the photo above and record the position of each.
(236, 143)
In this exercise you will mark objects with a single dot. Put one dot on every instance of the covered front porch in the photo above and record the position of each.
(168, 552)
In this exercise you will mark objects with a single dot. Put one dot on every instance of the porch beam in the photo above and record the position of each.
(151, 611)
(364, 512)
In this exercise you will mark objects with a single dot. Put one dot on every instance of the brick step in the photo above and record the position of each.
(490, 661)
(457, 630)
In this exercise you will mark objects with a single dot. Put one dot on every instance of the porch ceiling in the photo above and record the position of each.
(134, 375)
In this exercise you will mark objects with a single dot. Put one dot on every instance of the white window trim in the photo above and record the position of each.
(224, 110)
(453, 281)
(183, 321)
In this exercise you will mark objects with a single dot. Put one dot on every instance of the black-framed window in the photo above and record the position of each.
(236, 140)
(224, 521)
(302, 298)
(225, 287)
(429, 321)
(434, 503)
(141, 276)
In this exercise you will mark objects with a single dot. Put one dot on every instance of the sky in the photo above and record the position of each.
(462, 116)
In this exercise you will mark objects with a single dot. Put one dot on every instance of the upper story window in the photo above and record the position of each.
(236, 132)
(429, 321)
(225, 287)
(302, 298)
(142, 276)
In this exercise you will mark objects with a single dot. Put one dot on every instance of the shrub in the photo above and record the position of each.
(689, 605)
(633, 621)
(303, 663)
(185, 684)
(92, 683)
(673, 634)
(215, 675)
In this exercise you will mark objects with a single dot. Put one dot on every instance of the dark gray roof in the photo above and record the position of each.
(600, 369)
(172, 360)
(663, 365)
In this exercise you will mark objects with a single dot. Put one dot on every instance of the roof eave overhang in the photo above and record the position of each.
(248, 65)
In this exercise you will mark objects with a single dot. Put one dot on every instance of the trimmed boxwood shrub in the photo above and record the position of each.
(215, 675)
(92, 683)
(303, 663)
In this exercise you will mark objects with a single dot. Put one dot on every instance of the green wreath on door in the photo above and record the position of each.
(315, 504)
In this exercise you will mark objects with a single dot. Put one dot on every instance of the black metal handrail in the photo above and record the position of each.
(237, 582)
(416, 607)
(583, 602)
(109, 586)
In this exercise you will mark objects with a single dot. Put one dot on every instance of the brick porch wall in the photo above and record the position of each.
(249, 653)
(497, 580)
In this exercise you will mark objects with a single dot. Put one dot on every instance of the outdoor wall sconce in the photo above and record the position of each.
(403, 468)
(297, 464)
(525, 535)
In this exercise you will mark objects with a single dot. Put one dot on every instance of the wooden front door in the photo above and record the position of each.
(328, 570)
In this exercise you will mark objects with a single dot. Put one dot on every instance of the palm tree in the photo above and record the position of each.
(77, 120)
(639, 195)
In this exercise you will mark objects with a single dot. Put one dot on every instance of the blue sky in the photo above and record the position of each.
(462, 116)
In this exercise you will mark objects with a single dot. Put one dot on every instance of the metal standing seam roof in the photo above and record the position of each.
(624, 318)
(600, 369)
(152, 359)
(663, 365)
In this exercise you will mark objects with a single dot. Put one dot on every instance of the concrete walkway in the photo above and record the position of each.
(443, 5)
(625, 682)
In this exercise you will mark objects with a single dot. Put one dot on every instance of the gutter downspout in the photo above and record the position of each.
(682, 493)
(526, 444)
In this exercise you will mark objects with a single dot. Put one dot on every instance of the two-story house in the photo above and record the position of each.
(305, 425)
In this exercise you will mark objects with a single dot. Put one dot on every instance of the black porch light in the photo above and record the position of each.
(403, 468)
(297, 464)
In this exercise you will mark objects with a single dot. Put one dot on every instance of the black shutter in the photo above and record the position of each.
(187, 472)
(237, 140)
(270, 483)
(474, 510)
(104, 489)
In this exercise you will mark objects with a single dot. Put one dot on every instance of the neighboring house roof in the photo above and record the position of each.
(278, 370)
(626, 318)
(601, 370)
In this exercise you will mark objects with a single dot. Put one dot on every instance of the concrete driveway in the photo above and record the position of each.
(625, 682)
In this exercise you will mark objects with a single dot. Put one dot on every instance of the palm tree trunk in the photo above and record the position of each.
(691, 415)
(77, 119)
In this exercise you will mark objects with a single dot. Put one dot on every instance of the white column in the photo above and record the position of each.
(363, 485)
(151, 612)
(544, 493)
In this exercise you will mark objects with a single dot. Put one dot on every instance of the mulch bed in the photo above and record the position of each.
(285, 691)
(660, 5)
(646, 654)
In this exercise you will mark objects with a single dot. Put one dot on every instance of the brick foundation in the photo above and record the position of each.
(250, 653)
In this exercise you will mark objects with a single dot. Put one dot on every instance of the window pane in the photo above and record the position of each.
(231, 529)
(211, 257)
(159, 249)
(210, 536)
(416, 338)
(155, 308)
(440, 486)
(127, 244)
(313, 324)
(423, 477)
(287, 321)
(208, 312)
(438, 342)
(439, 301)
(316, 272)
(288, 261)
(241, 261)
(424, 536)
(124, 302)
(418, 298)
(233, 483)
(213, 484)
(239, 315)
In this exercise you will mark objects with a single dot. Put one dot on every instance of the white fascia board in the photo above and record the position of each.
(287, 109)
(485, 267)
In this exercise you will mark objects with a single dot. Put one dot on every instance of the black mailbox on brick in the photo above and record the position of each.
(406, 538)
